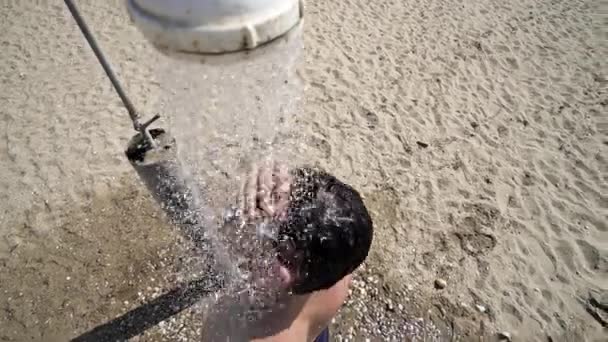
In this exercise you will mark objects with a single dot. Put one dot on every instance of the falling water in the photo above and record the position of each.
(226, 112)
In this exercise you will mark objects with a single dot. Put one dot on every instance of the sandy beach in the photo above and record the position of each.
(477, 132)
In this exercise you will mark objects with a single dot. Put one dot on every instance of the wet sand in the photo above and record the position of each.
(475, 130)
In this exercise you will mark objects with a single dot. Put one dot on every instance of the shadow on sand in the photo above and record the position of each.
(144, 317)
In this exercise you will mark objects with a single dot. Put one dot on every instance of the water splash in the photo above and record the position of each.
(225, 114)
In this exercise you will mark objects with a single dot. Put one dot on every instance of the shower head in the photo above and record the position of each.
(211, 27)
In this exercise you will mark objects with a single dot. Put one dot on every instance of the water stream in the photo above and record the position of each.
(225, 113)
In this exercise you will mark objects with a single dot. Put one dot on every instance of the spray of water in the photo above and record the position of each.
(224, 115)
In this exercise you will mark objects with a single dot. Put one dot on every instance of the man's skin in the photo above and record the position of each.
(292, 318)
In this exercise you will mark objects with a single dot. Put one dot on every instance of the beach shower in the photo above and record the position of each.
(231, 35)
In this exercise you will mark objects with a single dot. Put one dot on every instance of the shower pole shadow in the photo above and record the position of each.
(159, 169)
(144, 317)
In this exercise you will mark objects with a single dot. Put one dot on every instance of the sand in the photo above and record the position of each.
(476, 130)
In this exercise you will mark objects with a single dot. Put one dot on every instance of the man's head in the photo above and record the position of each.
(326, 231)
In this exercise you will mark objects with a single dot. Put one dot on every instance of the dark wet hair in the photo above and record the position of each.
(328, 231)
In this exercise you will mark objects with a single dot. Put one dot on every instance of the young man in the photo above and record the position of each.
(319, 232)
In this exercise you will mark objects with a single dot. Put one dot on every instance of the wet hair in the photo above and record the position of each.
(327, 233)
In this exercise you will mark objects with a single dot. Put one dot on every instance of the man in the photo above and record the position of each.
(319, 232)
